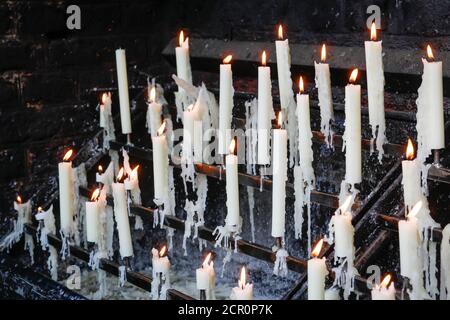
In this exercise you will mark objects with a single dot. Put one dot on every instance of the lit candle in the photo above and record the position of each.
(343, 230)
(409, 239)
(93, 217)
(352, 134)
(161, 279)
(225, 104)
(265, 110)
(106, 178)
(317, 272)
(124, 100)
(182, 59)
(105, 110)
(375, 89)
(284, 69)
(323, 85)
(153, 113)
(305, 134)
(132, 185)
(66, 194)
(206, 277)
(121, 215)
(279, 179)
(412, 192)
(160, 261)
(430, 110)
(232, 188)
(385, 290)
(23, 210)
(244, 290)
(160, 164)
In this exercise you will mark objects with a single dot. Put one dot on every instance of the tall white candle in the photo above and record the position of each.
(265, 109)
(124, 100)
(279, 180)
(430, 110)
(232, 187)
(323, 85)
(121, 215)
(343, 230)
(244, 290)
(225, 104)
(160, 164)
(375, 89)
(352, 134)
(182, 59)
(153, 113)
(412, 191)
(384, 291)
(409, 240)
(93, 218)
(66, 194)
(317, 272)
(206, 277)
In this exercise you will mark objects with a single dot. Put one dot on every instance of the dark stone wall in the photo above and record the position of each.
(47, 71)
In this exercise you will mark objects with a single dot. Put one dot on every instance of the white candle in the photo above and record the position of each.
(279, 180)
(66, 194)
(160, 164)
(232, 187)
(160, 263)
(225, 104)
(412, 191)
(244, 290)
(121, 215)
(323, 85)
(182, 60)
(343, 230)
(265, 109)
(105, 110)
(352, 134)
(317, 272)
(190, 115)
(445, 264)
(198, 141)
(124, 100)
(206, 277)
(305, 135)
(409, 239)
(23, 210)
(93, 218)
(384, 291)
(375, 88)
(284, 69)
(153, 113)
(107, 177)
(132, 180)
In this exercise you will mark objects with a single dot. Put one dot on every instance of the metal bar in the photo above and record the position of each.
(439, 174)
(392, 223)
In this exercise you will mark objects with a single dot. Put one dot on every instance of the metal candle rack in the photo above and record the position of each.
(364, 209)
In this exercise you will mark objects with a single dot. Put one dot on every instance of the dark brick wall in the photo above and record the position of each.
(47, 71)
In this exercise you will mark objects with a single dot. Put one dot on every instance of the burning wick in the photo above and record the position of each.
(316, 251)
(162, 251)
(301, 86)
(40, 209)
(95, 194)
(430, 53)
(263, 58)
(19, 199)
(120, 175)
(105, 97)
(100, 169)
(181, 38)
(386, 281)
(231, 149)
(242, 280)
(280, 32)
(410, 150)
(280, 119)
(68, 155)
(353, 75)
(373, 32)
(323, 53)
(227, 59)
(152, 94)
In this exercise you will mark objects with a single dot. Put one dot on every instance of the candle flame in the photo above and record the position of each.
(181, 38)
(323, 54)
(40, 209)
(162, 128)
(373, 32)
(386, 281)
(354, 75)
(415, 210)
(153, 94)
(430, 52)
(264, 58)
(95, 194)
(316, 251)
(68, 155)
(227, 59)
(207, 259)
(280, 32)
(232, 146)
(242, 279)
(280, 119)
(410, 150)
(19, 199)
(135, 170)
(301, 86)
(162, 251)
(100, 168)
(105, 96)
(346, 205)
(120, 174)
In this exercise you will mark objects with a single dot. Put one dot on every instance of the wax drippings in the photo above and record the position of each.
(251, 208)
(23, 216)
(189, 207)
(326, 105)
(122, 276)
(109, 130)
(445, 264)
(78, 231)
(280, 265)
(52, 263)
(299, 202)
(251, 116)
